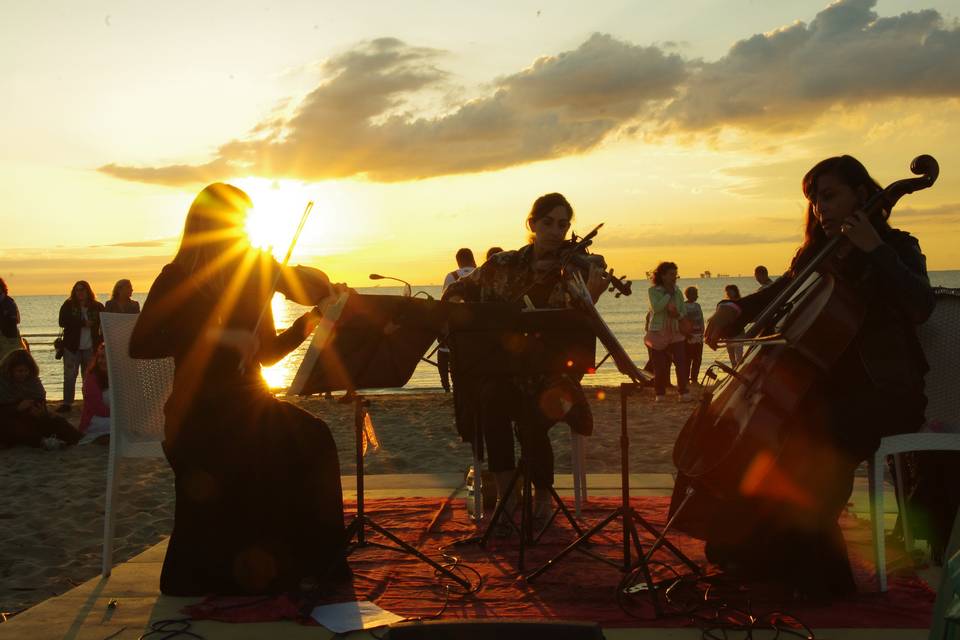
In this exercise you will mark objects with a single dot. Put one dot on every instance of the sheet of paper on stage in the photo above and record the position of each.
(345, 617)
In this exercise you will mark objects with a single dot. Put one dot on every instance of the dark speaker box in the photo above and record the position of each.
(494, 630)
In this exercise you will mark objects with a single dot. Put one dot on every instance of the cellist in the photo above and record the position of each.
(789, 531)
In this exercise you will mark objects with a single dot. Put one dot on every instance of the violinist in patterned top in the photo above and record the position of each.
(534, 403)
(258, 498)
(875, 389)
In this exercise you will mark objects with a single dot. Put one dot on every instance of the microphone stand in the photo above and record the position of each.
(407, 289)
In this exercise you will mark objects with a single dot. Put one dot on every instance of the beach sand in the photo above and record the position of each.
(51, 502)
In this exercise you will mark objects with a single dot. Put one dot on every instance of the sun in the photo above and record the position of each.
(277, 208)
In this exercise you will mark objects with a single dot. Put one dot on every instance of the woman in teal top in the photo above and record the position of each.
(664, 338)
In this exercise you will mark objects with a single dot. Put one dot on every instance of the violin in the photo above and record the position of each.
(740, 428)
(574, 252)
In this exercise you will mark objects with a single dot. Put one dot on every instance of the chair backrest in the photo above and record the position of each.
(940, 337)
(138, 390)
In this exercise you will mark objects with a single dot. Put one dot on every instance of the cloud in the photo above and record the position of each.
(160, 242)
(943, 213)
(383, 109)
(355, 122)
(846, 56)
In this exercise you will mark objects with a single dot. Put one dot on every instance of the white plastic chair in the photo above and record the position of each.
(138, 390)
(940, 338)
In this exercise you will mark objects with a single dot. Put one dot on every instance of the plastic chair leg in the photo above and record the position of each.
(110, 509)
(875, 472)
(902, 505)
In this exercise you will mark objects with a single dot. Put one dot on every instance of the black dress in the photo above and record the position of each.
(258, 498)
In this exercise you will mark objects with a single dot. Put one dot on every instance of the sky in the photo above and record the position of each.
(418, 128)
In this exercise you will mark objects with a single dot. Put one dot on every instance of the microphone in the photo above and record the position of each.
(407, 289)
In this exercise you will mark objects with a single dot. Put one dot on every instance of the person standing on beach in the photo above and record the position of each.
(120, 301)
(663, 337)
(259, 505)
(534, 403)
(80, 319)
(762, 276)
(9, 319)
(465, 266)
(734, 351)
(694, 346)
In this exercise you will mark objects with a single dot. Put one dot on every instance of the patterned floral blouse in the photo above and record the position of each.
(508, 276)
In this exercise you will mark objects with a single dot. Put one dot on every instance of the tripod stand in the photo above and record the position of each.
(371, 342)
(361, 521)
(630, 519)
(526, 512)
(494, 343)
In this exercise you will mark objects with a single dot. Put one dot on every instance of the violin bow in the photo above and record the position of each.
(279, 274)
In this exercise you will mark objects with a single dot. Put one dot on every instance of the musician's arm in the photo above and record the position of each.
(467, 288)
(274, 347)
(903, 269)
(305, 285)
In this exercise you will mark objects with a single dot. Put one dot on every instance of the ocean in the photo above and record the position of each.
(624, 315)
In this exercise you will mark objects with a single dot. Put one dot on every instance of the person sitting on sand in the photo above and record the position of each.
(95, 420)
(24, 418)
(9, 319)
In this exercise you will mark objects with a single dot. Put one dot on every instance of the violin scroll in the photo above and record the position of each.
(926, 166)
(620, 284)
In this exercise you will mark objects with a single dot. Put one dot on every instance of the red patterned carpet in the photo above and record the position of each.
(579, 587)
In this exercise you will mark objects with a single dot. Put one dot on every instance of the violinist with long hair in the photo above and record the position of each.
(534, 403)
(786, 528)
(258, 498)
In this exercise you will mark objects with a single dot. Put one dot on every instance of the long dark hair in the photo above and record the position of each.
(16, 358)
(3, 286)
(212, 232)
(848, 170)
(91, 296)
(661, 269)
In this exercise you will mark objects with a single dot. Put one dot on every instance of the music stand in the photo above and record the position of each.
(625, 511)
(371, 342)
(499, 340)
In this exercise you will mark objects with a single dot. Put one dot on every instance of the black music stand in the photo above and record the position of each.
(375, 342)
(498, 340)
(625, 511)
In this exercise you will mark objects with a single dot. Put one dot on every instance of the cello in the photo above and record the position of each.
(738, 430)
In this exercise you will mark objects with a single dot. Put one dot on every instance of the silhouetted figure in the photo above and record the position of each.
(24, 418)
(492, 251)
(789, 531)
(694, 346)
(258, 498)
(762, 276)
(663, 337)
(120, 301)
(734, 351)
(534, 403)
(80, 319)
(465, 266)
(9, 322)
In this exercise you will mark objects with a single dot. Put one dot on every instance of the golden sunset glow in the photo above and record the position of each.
(664, 124)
